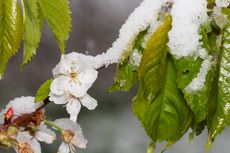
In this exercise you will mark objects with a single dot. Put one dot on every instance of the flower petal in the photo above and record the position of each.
(79, 139)
(25, 137)
(64, 148)
(35, 145)
(87, 77)
(73, 108)
(63, 67)
(77, 89)
(89, 102)
(45, 134)
(59, 84)
(62, 99)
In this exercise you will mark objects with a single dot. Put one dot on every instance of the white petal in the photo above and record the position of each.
(79, 141)
(66, 124)
(59, 84)
(64, 148)
(63, 67)
(73, 108)
(77, 89)
(88, 77)
(35, 145)
(45, 134)
(62, 99)
(25, 137)
(89, 102)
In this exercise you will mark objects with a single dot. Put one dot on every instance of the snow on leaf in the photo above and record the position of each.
(126, 74)
(166, 106)
(184, 36)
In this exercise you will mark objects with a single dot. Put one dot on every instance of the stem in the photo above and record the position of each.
(151, 147)
(53, 125)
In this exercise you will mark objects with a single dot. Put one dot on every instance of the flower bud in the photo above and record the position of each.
(12, 131)
(9, 115)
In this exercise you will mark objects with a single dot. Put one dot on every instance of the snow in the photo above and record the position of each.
(188, 16)
(142, 17)
(135, 58)
(198, 82)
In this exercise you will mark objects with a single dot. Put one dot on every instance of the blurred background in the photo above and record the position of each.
(111, 128)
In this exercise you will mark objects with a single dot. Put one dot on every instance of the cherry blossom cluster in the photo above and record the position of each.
(24, 123)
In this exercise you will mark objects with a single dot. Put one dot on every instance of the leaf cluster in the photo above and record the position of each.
(24, 23)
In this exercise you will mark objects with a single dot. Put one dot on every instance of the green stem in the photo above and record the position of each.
(151, 147)
(53, 125)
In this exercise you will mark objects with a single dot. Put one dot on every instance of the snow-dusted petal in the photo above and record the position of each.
(64, 148)
(81, 61)
(63, 67)
(21, 105)
(59, 84)
(73, 108)
(88, 77)
(45, 134)
(77, 89)
(62, 99)
(89, 102)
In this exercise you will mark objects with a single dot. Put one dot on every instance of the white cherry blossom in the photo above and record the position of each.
(75, 74)
(72, 136)
(29, 143)
(26, 143)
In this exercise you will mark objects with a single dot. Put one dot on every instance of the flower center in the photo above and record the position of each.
(73, 73)
(24, 148)
(68, 136)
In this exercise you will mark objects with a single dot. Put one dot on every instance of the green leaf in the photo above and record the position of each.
(167, 112)
(11, 28)
(43, 91)
(188, 69)
(167, 109)
(57, 14)
(126, 75)
(226, 11)
(221, 95)
(152, 66)
(32, 28)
